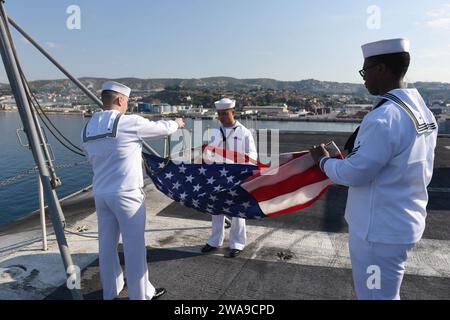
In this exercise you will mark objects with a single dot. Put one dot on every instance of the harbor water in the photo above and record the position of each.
(19, 197)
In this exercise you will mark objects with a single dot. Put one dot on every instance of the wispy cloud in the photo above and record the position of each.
(434, 53)
(52, 45)
(439, 18)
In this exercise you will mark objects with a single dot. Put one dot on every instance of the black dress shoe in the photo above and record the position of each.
(158, 293)
(233, 253)
(207, 248)
(227, 223)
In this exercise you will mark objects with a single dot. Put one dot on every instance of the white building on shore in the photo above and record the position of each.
(277, 110)
(353, 108)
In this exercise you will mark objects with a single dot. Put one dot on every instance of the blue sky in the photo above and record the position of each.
(283, 39)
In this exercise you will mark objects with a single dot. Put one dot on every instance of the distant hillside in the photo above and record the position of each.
(430, 90)
(225, 83)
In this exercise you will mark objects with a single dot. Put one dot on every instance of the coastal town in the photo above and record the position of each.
(308, 100)
(227, 157)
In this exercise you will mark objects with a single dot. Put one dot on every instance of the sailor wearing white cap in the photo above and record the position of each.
(232, 136)
(387, 171)
(113, 144)
(116, 87)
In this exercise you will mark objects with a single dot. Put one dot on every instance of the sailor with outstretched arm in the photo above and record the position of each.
(113, 143)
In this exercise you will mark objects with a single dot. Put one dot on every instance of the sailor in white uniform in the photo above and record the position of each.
(113, 144)
(233, 136)
(387, 172)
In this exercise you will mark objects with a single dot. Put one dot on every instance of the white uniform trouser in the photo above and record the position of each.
(238, 235)
(377, 268)
(123, 214)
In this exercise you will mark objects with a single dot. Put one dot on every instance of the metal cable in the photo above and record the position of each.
(12, 180)
(51, 123)
(30, 94)
(56, 137)
(80, 235)
(28, 172)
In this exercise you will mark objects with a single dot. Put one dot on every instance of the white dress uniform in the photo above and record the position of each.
(113, 143)
(387, 173)
(236, 138)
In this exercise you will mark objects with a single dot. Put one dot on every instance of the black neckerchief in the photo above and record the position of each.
(224, 137)
(350, 144)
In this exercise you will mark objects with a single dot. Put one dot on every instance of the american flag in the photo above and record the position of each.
(250, 191)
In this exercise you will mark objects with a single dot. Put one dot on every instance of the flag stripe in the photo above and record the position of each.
(295, 182)
(234, 156)
(298, 197)
(299, 206)
(279, 174)
(285, 157)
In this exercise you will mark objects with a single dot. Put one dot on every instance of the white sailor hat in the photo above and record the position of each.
(385, 47)
(224, 104)
(117, 87)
